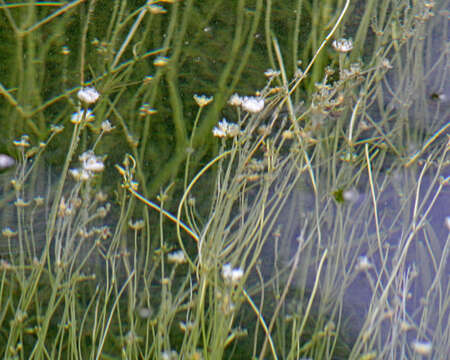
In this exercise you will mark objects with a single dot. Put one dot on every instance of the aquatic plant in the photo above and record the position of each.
(296, 211)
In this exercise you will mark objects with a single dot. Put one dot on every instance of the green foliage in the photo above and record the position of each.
(301, 229)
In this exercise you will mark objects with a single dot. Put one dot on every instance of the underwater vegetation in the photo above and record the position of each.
(224, 179)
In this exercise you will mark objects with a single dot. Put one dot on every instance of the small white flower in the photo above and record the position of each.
(169, 355)
(144, 312)
(78, 116)
(65, 50)
(161, 61)
(232, 275)
(386, 64)
(80, 174)
(6, 161)
(363, 264)
(176, 257)
(56, 128)
(343, 45)
(136, 225)
(94, 165)
(88, 95)
(186, 326)
(252, 104)
(350, 195)
(76, 174)
(226, 129)
(218, 132)
(271, 73)
(202, 100)
(235, 100)
(23, 142)
(422, 348)
(447, 222)
(91, 162)
(106, 126)
(156, 9)
(8, 232)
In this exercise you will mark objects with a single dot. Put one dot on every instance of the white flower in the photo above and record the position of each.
(23, 142)
(350, 195)
(422, 348)
(447, 222)
(8, 232)
(176, 257)
(343, 45)
(232, 275)
(363, 264)
(94, 165)
(78, 116)
(226, 129)
(386, 64)
(202, 100)
(76, 174)
(235, 100)
(80, 174)
(6, 161)
(270, 73)
(136, 225)
(144, 312)
(218, 132)
(106, 126)
(91, 162)
(88, 95)
(169, 355)
(156, 9)
(161, 61)
(252, 104)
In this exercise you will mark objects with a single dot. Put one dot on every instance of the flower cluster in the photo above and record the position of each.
(251, 104)
(226, 129)
(232, 275)
(343, 45)
(91, 164)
